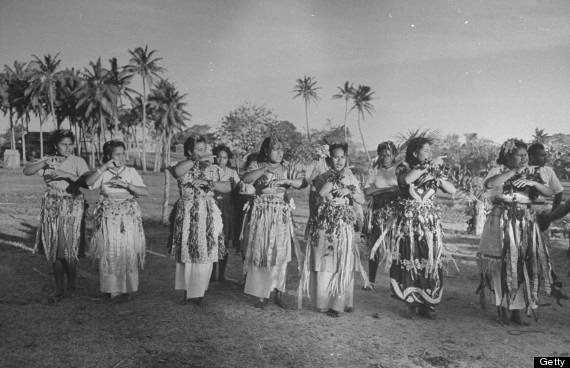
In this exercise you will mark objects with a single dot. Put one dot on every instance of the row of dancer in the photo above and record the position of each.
(403, 224)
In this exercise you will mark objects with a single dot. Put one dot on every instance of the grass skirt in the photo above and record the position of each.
(332, 257)
(416, 272)
(512, 248)
(118, 241)
(197, 230)
(269, 232)
(61, 233)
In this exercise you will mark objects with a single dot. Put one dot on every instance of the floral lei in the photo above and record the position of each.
(335, 178)
(528, 174)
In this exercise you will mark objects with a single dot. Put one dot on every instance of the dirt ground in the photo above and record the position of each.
(152, 330)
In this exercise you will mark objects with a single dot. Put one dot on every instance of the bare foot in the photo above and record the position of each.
(222, 278)
(200, 302)
(349, 309)
(369, 287)
(411, 312)
(428, 312)
(261, 304)
(332, 313)
(516, 318)
(502, 316)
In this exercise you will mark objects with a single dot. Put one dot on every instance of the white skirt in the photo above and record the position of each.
(127, 282)
(260, 282)
(194, 278)
(320, 295)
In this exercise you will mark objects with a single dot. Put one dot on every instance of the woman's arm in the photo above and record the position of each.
(372, 191)
(446, 186)
(181, 168)
(92, 179)
(32, 169)
(252, 176)
(496, 180)
(412, 175)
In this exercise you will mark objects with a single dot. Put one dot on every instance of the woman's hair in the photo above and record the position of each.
(388, 145)
(266, 147)
(414, 146)
(534, 148)
(335, 146)
(59, 135)
(223, 147)
(251, 157)
(507, 148)
(190, 143)
(109, 147)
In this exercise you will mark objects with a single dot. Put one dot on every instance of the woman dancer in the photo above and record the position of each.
(60, 236)
(332, 253)
(416, 275)
(316, 168)
(197, 238)
(222, 173)
(269, 231)
(118, 241)
(511, 250)
(382, 186)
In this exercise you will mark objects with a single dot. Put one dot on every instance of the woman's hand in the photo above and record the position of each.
(199, 183)
(521, 183)
(53, 162)
(341, 192)
(438, 161)
(118, 183)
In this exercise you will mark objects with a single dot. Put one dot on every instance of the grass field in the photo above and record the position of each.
(153, 330)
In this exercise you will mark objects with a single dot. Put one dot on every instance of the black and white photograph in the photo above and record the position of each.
(296, 183)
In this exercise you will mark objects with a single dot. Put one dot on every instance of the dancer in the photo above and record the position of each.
(222, 173)
(314, 169)
(382, 187)
(511, 251)
(197, 238)
(61, 235)
(332, 255)
(416, 275)
(118, 239)
(269, 231)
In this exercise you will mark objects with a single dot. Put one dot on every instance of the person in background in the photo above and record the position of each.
(220, 172)
(382, 186)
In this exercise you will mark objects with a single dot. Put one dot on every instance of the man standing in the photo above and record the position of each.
(538, 157)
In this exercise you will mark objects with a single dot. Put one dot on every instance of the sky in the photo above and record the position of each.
(499, 68)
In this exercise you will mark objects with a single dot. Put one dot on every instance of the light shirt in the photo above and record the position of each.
(72, 164)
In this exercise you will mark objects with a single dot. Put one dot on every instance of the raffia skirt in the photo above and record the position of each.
(416, 273)
(61, 234)
(515, 255)
(119, 243)
(268, 238)
(196, 242)
(332, 258)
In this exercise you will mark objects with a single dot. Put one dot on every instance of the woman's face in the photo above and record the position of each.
(199, 149)
(338, 159)
(118, 155)
(222, 158)
(424, 153)
(65, 147)
(386, 158)
(517, 159)
(276, 154)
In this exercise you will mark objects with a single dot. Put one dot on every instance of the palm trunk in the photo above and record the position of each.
(77, 136)
(92, 152)
(12, 132)
(41, 136)
(345, 117)
(364, 144)
(166, 198)
(144, 126)
(101, 130)
(25, 162)
(307, 121)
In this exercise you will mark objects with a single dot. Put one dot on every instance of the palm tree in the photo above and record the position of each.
(18, 83)
(306, 88)
(361, 102)
(170, 117)
(121, 78)
(144, 64)
(44, 76)
(68, 94)
(346, 92)
(540, 135)
(98, 95)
